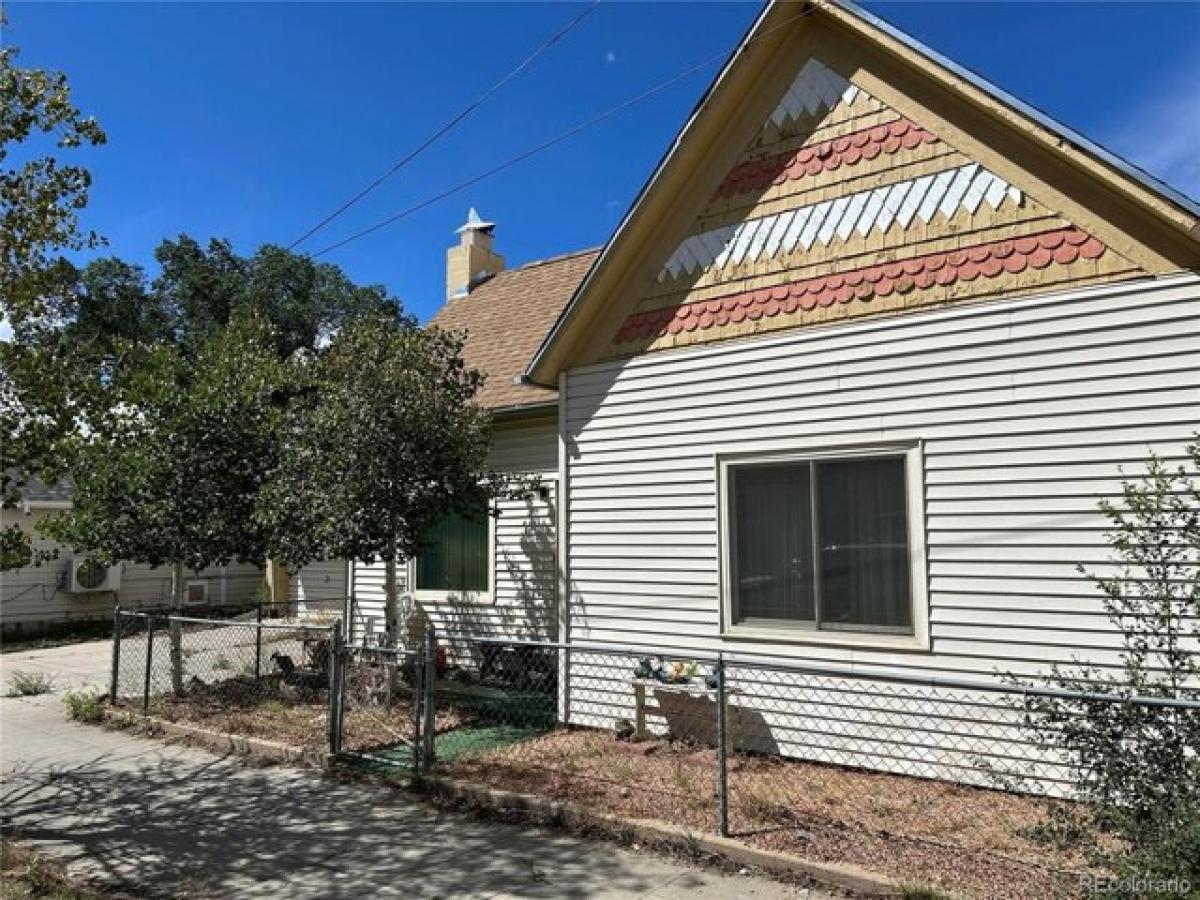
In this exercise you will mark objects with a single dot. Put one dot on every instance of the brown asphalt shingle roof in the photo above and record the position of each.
(505, 319)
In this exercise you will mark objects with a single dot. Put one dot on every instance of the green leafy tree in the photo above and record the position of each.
(386, 444)
(172, 474)
(66, 369)
(40, 198)
(202, 289)
(16, 548)
(1137, 765)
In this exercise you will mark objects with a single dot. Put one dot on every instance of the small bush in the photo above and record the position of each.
(84, 706)
(1164, 866)
(1137, 765)
(29, 684)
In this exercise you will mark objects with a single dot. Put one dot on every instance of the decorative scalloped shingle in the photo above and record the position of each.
(1060, 246)
(825, 156)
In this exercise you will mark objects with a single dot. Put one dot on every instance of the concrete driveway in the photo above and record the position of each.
(168, 820)
(72, 667)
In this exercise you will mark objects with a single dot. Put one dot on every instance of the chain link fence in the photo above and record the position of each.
(931, 780)
(379, 708)
(263, 677)
(938, 780)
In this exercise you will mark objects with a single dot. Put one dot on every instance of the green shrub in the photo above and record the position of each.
(1137, 765)
(29, 684)
(84, 706)
(1167, 866)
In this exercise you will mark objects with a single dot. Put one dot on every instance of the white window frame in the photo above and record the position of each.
(477, 597)
(798, 632)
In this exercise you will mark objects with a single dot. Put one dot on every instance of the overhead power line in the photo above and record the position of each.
(448, 126)
(552, 142)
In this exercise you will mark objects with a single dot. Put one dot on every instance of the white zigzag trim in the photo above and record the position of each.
(815, 88)
(968, 187)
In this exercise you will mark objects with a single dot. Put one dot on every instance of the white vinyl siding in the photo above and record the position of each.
(1027, 411)
(318, 586)
(523, 601)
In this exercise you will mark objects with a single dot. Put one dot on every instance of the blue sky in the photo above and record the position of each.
(253, 121)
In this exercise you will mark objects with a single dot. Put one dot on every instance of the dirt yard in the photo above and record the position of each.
(967, 840)
(258, 708)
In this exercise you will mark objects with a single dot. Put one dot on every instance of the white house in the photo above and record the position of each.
(847, 384)
(68, 589)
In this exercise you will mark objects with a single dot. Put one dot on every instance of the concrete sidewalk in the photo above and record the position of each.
(178, 821)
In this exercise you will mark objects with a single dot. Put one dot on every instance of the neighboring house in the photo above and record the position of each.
(38, 598)
(497, 575)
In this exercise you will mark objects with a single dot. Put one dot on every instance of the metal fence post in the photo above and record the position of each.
(149, 657)
(335, 688)
(430, 723)
(418, 709)
(116, 654)
(258, 643)
(722, 753)
(564, 687)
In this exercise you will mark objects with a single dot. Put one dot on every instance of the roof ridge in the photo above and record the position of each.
(534, 263)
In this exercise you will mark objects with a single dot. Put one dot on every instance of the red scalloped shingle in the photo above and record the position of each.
(848, 150)
(1060, 245)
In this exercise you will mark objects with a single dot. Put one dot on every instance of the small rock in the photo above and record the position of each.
(707, 759)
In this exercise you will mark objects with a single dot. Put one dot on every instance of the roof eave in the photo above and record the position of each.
(534, 372)
(516, 410)
(1065, 132)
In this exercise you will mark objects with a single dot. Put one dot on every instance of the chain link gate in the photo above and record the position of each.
(381, 708)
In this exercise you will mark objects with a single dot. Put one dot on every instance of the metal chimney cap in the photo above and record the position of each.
(475, 223)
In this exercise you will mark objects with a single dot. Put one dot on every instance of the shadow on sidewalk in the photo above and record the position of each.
(169, 824)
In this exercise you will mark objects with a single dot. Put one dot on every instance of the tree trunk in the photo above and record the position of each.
(176, 629)
(278, 585)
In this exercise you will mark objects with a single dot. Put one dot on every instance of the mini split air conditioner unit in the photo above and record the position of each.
(89, 577)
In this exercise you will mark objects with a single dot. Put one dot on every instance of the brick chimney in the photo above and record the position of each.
(473, 261)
